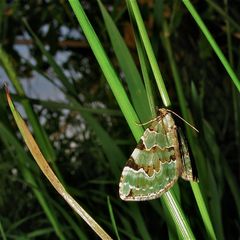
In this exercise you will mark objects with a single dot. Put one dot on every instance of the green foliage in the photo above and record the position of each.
(87, 139)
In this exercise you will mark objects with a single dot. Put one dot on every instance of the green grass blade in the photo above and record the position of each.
(72, 223)
(233, 185)
(146, 77)
(113, 81)
(203, 210)
(107, 68)
(16, 225)
(198, 196)
(40, 134)
(43, 232)
(127, 230)
(133, 78)
(142, 229)
(10, 140)
(144, 67)
(2, 232)
(235, 94)
(73, 106)
(112, 218)
(175, 210)
(218, 9)
(113, 154)
(213, 43)
(148, 48)
(44, 166)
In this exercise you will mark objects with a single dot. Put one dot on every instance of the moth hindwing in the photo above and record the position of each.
(156, 162)
(189, 172)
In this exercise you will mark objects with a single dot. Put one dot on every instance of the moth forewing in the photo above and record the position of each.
(155, 164)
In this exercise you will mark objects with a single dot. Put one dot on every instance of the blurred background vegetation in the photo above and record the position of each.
(61, 92)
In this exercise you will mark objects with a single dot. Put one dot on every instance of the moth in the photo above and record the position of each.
(159, 159)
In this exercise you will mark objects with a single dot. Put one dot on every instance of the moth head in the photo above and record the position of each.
(162, 112)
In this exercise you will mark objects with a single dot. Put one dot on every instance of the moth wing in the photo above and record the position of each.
(147, 175)
(154, 165)
(188, 171)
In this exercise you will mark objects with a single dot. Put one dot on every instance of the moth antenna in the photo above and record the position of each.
(143, 124)
(183, 120)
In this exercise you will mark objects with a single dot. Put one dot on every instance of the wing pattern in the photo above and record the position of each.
(155, 163)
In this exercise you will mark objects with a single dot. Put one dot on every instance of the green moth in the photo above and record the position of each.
(159, 159)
